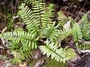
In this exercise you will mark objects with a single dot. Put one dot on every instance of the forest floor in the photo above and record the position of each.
(73, 9)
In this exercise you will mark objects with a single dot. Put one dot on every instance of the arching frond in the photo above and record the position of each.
(52, 51)
(59, 54)
(25, 38)
(29, 19)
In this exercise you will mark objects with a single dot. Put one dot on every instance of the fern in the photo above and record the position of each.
(41, 13)
(86, 31)
(76, 32)
(52, 50)
(85, 26)
(83, 21)
(36, 18)
(65, 33)
(51, 33)
(29, 19)
(21, 42)
(39, 25)
(27, 39)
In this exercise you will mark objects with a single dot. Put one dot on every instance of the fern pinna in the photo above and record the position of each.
(40, 26)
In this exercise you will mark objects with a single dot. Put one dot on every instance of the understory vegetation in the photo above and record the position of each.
(36, 29)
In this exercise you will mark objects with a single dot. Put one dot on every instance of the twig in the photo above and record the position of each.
(85, 51)
(4, 16)
(84, 5)
(75, 8)
(84, 42)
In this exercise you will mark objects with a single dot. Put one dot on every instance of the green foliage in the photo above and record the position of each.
(29, 18)
(39, 26)
(15, 60)
(76, 32)
(21, 41)
(25, 38)
(35, 20)
(53, 51)
(85, 27)
(65, 33)
(51, 33)
(29, 1)
(84, 46)
(42, 14)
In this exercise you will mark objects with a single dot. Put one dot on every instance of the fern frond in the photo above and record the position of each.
(83, 21)
(36, 18)
(76, 32)
(86, 35)
(85, 27)
(42, 13)
(51, 33)
(52, 51)
(65, 33)
(29, 19)
(54, 34)
(86, 31)
(27, 39)
(24, 53)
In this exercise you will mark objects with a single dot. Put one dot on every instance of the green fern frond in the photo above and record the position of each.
(54, 34)
(50, 10)
(51, 33)
(52, 51)
(27, 39)
(24, 53)
(37, 18)
(83, 20)
(86, 31)
(29, 19)
(42, 13)
(88, 28)
(76, 32)
(86, 35)
(85, 27)
(21, 42)
(65, 33)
